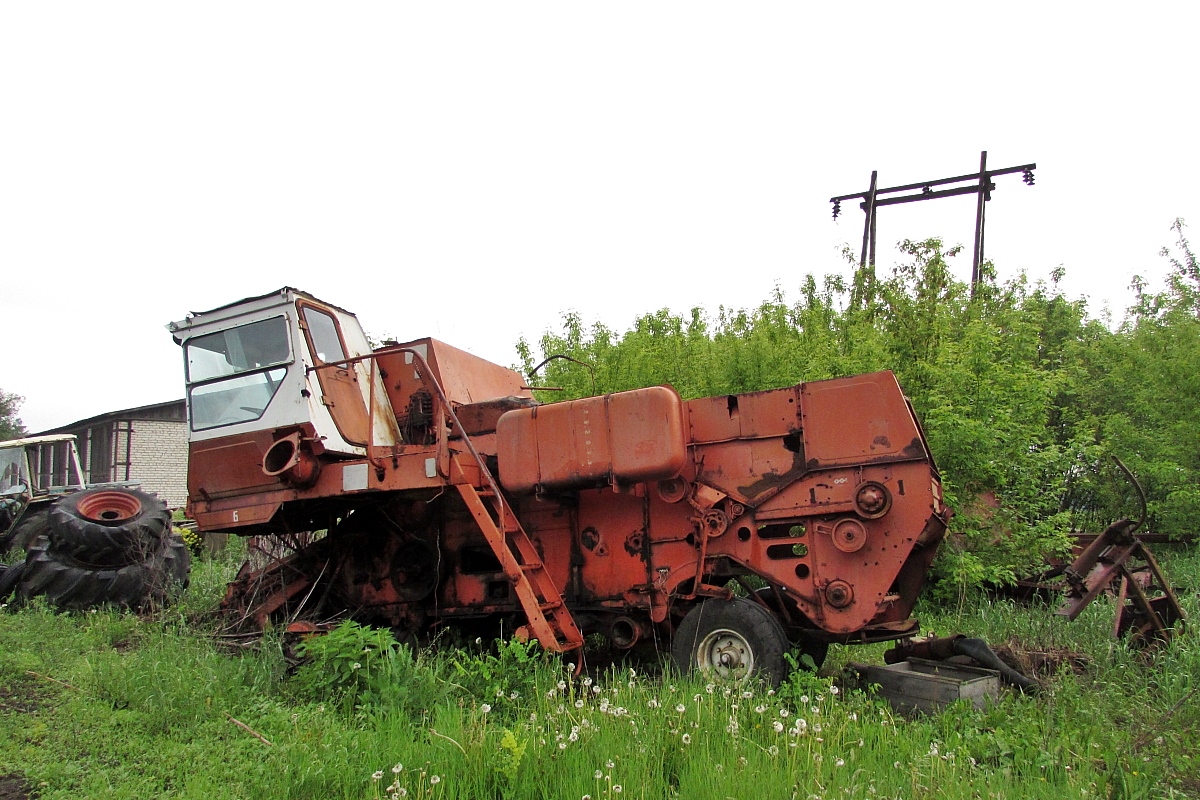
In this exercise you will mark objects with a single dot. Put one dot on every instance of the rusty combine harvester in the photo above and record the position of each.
(450, 495)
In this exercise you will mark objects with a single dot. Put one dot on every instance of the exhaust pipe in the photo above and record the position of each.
(287, 461)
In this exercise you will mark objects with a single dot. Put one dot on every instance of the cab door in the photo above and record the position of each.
(340, 389)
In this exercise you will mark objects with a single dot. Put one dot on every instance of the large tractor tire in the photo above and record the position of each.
(30, 525)
(731, 640)
(108, 527)
(72, 585)
(9, 578)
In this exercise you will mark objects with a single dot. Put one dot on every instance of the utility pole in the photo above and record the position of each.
(979, 183)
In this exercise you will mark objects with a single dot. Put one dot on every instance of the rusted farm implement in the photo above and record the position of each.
(449, 496)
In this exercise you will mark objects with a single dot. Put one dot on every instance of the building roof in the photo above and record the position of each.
(152, 411)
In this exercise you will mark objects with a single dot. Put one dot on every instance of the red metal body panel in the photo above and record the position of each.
(627, 437)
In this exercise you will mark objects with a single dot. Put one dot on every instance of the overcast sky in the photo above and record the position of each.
(473, 171)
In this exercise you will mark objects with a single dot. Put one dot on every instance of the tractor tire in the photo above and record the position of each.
(72, 585)
(9, 578)
(108, 527)
(816, 649)
(731, 640)
(30, 525)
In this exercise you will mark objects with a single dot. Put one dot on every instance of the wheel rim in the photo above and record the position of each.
(725, 653)
(109, 508)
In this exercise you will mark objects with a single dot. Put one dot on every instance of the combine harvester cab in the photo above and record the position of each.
(449, 496)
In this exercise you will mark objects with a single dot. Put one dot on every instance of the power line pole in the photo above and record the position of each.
(979, 183)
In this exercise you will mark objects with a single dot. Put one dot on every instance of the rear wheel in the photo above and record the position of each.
(731, 640)
(814, 649)
(108, 526)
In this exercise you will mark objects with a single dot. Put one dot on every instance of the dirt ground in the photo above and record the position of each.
(14, 787)
(19, 697)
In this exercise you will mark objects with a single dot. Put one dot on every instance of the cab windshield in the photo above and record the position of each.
(234, 373)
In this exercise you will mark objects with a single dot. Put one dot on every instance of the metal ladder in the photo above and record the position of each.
(550, 621)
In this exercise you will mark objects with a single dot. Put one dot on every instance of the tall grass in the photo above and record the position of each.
(141, 707)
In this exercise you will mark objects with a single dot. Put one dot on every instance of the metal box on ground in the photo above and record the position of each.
(929, 686)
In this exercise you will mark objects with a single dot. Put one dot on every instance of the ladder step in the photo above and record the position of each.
(532, 567)
(553, 604)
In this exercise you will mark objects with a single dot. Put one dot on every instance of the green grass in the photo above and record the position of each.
(107, 704)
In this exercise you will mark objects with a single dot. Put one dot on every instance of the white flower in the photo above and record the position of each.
(562, 685)
(746, 695)
(598, 774)
(377, 775)
(396, 770)
(653, 703)
(839, 763)
(710, 688)
(485, 708)
(587, 681)
(562, 745)
(778, 726)
(687, 738)
(853, 716)
(759, 709)
(617, 788)
(773, 750)
(680, 708)
(896, 765)
(356, 665)
(833, 690)
(610, 764)
(513, 695)
(804, 699)
(783, 712)
(434, 780)
(579, 703)
(596, 689)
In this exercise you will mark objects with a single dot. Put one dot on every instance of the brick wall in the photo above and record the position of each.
(159, 459)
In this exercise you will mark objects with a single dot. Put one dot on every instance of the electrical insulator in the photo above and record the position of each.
(837, 208)
(1027, 176)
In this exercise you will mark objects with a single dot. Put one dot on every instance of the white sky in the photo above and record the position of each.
(473, 170)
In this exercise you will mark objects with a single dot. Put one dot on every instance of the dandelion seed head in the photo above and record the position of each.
(396, 770)
(562, 685)
(680, 708)
(434, 780)
(839, 763)
(686, 738)
(587, 681)
(804, 699)
(778, 726)
(377, 775)
(356, 665)
(598, 774)
(595, 690)
(833, 690)
(485, 708)
(759, 709)
(617, 788)
(610, 763)
(579, 703)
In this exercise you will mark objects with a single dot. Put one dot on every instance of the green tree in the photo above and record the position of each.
(11, 426)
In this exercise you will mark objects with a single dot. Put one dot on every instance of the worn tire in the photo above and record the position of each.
(69, 584)
(108, 526)
(816, 649)
(732, 640)
(32, 523)
(9, 578)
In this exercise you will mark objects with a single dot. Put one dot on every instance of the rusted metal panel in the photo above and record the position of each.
(625, 437)
(858, 419)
